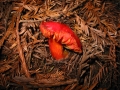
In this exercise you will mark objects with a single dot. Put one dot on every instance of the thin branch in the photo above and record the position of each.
(31, 21)
(37, 85)
(9, 31)
(19, 46)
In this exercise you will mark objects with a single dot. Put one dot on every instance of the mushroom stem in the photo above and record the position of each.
(56, 50)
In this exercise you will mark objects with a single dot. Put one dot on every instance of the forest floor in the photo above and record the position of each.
(25, 59)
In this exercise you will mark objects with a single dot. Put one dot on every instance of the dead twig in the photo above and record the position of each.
(19, 46)
(9, 30)
(67, 82)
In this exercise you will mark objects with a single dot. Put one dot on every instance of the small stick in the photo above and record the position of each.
(67, 82)
(23, 63)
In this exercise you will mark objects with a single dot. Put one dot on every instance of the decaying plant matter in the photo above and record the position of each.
(25, 58)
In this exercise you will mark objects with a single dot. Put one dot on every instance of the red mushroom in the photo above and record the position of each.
(60, 34)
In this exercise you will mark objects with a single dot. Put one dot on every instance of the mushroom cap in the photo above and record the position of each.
(61, 33)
